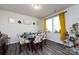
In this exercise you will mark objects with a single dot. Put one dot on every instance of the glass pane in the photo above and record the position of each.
(49, 24)
(56, 23)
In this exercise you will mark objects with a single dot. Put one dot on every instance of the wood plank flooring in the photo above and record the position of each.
(51, 48)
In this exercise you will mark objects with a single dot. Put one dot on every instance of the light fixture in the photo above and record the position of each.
(36, 6)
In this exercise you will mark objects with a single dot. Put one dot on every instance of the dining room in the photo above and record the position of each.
(39, 29)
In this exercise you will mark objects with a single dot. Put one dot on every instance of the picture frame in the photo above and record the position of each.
(11, 20)
(27, 21)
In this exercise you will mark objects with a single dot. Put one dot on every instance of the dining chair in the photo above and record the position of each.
(24, 43)
(27, 44)
(44, 38)
(37, 43)
(21, 45)
(4, 43)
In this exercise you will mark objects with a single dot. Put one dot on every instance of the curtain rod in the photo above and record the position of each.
(56, 14)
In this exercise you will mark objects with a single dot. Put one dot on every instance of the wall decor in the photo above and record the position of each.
(19, 22)
(11, 20)
(33, 23)
(27, 21)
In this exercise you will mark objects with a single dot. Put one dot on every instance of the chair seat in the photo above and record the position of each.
(26, 41)
(37, 42)
(44, 39)
(21, 41)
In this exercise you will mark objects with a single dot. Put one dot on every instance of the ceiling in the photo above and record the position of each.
(27, 9)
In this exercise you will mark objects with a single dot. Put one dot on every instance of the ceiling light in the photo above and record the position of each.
(36, 6)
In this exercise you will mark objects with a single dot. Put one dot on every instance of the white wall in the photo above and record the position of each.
(54, 37)
(40, 25)
(13, 29)
(72, 16)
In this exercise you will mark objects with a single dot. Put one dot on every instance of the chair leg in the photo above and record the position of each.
(3, 49)
(41, 45)
(31, 44)
(19, 48)
(34, 47)
(45, 42)
(28, 46)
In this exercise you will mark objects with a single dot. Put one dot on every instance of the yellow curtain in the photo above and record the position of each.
(45, 24)
(62, 25)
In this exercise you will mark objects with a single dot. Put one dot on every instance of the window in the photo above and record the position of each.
(53, 24)
(49, 24)
(56, 24)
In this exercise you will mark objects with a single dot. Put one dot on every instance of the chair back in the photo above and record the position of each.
(21, 40)
(37, 39)
(44, 36)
